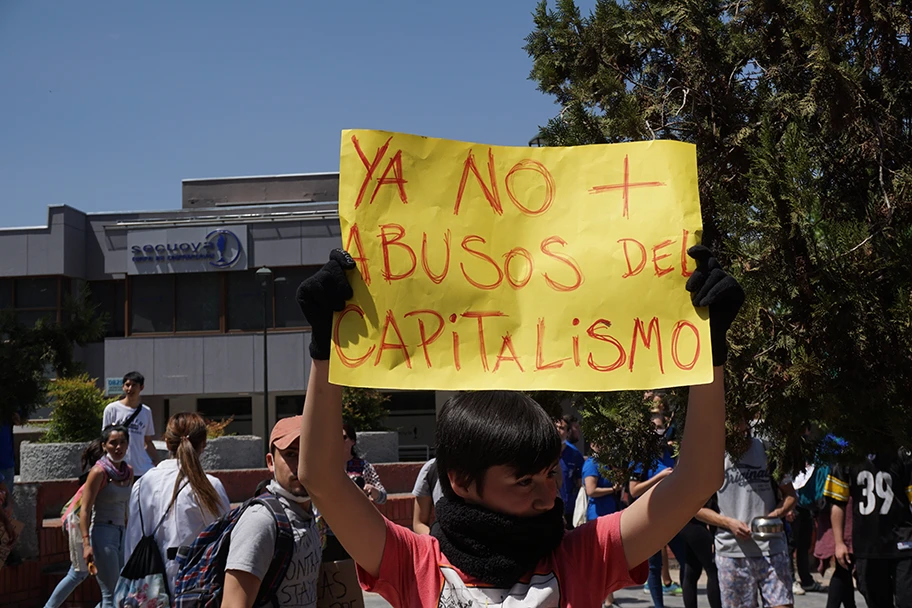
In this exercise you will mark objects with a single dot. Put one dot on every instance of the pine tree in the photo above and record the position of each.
(801, 113)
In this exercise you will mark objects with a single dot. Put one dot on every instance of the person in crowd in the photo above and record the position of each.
(104, 510)
(6, 520)
(364, 476)
(659, 582)
(601, 493)
(575, 432)
(8, 452)
(78, 568)
(801, 522)
(880, 488)
(841, 590)
(8, 471)
(426, 492)
(746, 563)
(698, 558)
(253, 540)
(130, 412)
(179, 487)
(571, 464)
(500, 528)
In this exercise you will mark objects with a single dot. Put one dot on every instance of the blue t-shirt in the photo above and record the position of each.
(603, 505)
(572, 469)
(7, 451)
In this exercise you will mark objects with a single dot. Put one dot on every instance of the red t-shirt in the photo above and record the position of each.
(587, 566)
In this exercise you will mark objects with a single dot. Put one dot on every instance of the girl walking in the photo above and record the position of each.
(104, 509)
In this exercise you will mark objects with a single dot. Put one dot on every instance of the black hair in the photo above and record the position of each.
(569, 419)
(135, 378)
(353, 435)
(479, 430)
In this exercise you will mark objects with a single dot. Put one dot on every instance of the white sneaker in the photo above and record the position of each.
(797, 589)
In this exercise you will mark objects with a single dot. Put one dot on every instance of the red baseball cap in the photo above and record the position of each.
(285, 432)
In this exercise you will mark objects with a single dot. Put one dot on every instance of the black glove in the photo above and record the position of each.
(322, 294)
(711, 286)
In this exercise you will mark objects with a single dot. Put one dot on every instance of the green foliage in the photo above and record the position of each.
(28, 355)
(802, 118)
(78, 408)
(364, 408)
(216, 428)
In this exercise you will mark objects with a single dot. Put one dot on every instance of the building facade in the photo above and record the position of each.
(184, 303)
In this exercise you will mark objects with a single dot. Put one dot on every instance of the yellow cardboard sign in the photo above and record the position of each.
(485, 267)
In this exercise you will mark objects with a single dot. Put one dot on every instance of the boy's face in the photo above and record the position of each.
(504, 492)
(130, 388)
(283, 464)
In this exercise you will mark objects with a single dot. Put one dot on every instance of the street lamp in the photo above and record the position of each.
(264, 276)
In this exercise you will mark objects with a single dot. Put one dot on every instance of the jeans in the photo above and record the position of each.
(65, 587)
(655, 570)
(108, 546)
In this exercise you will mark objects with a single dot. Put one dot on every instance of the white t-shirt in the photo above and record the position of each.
(253, 544)
(142, 427)
(185, 520)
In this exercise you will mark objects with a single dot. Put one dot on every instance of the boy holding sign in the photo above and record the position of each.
(501, 538)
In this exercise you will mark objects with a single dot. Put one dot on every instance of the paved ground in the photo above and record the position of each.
(634, 597)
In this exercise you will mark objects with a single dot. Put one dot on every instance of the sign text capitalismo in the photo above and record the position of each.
(518, 268)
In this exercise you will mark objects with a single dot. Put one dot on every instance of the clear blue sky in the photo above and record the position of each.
(107, 105)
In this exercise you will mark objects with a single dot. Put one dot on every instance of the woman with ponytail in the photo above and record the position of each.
(179, 490)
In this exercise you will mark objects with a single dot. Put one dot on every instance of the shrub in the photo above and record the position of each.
(364, 408)
(216, 428)
(78, 406)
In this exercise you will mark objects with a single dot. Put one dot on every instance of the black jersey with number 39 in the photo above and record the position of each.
(881, 489)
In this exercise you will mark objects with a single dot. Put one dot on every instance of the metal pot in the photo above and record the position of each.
(766, 528)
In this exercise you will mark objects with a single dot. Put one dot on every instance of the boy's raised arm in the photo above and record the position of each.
(650, 522)
(353, 519)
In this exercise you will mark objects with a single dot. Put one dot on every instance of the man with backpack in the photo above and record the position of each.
(254, 538)
(273, 545)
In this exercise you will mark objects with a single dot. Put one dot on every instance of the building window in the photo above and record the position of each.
(287, 311)
(36, 293)
(202, 302)
(152, 304)
(109, 297)
(6, 293)
(198, 300)
(221, 408)
(245, 301)
(288, 405)
(33, 299)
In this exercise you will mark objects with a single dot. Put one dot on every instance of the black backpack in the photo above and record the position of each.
(144, 578)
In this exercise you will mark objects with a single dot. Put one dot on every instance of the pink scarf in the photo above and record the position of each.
(116, 473)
